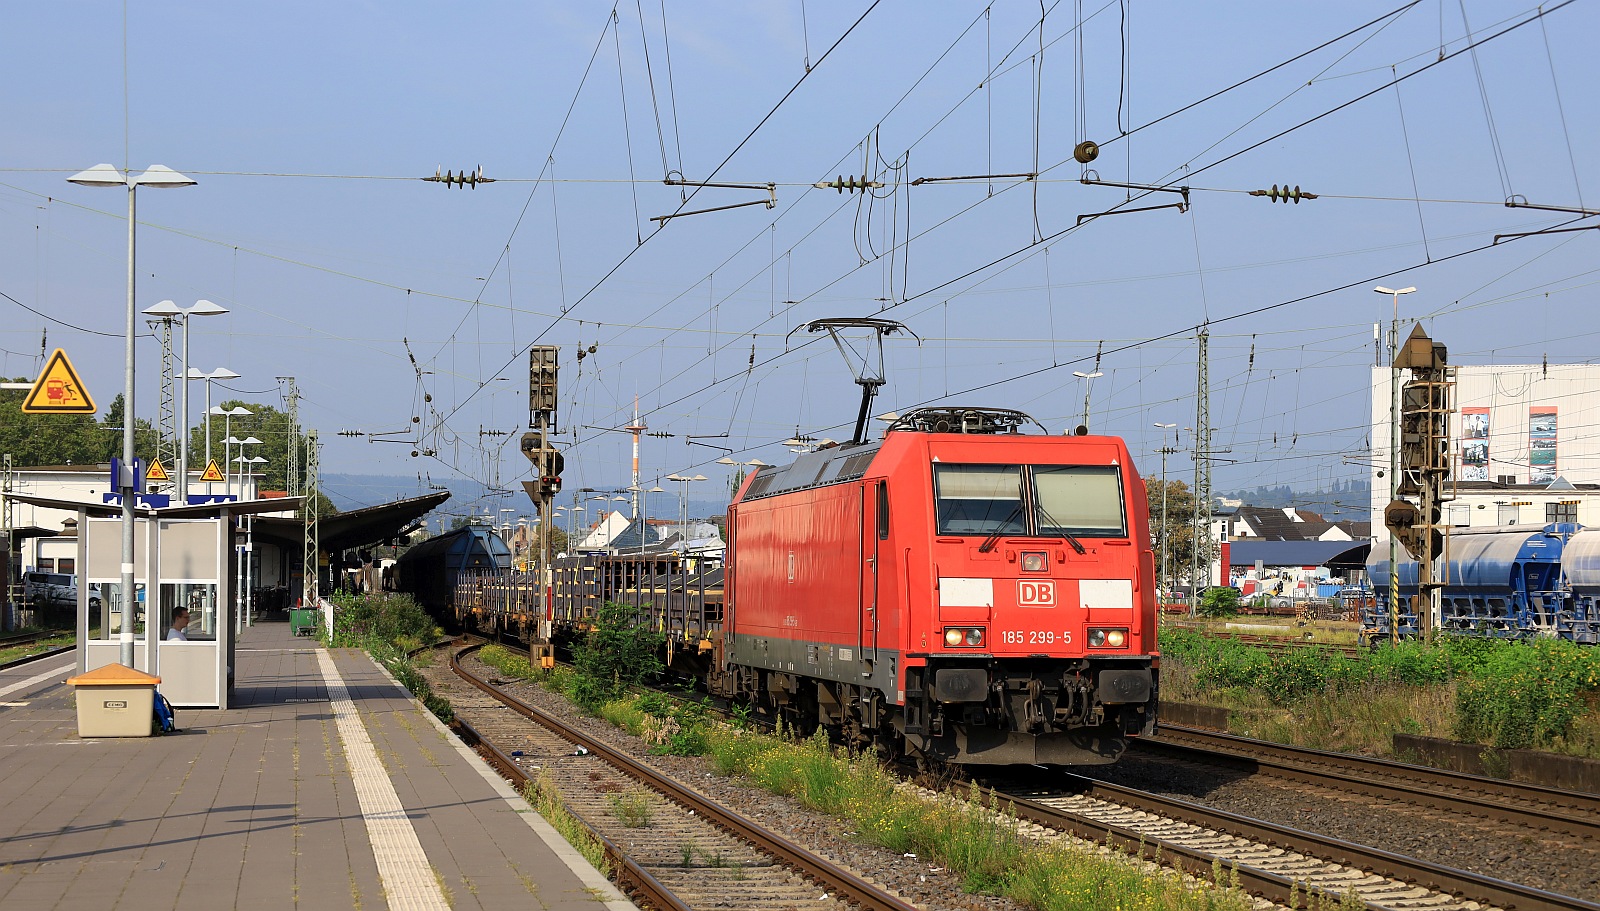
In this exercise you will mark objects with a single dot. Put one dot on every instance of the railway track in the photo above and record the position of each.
(1284, 865)
(18, 640)
(674, 848)
(1274, 862)
(1571, 813)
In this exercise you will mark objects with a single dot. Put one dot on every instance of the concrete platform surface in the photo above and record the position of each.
(326, 786)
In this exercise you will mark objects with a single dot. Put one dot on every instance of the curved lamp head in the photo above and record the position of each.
(165, 309)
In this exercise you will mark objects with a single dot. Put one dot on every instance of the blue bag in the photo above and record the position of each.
(164, 722)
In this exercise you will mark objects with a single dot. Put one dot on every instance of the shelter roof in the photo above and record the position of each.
(1287, 553)
(356, 528)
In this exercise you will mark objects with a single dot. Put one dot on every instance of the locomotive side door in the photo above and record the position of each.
(874, 528)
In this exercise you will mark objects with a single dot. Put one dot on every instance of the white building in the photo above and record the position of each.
(1525, 445)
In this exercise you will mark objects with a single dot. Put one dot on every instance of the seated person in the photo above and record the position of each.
(180, 626)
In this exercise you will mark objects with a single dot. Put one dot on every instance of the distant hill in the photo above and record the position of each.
(1343, 500)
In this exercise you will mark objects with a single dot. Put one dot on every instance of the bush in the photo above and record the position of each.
(1220, 601)
(615, 655)
(1521, 696)
(388, 617)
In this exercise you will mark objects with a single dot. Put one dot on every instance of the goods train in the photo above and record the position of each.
(959, 591)
(1507, 582)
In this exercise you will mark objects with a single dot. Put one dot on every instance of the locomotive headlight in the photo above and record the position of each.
(963, 636)
(1108, 638)
(1034, 562)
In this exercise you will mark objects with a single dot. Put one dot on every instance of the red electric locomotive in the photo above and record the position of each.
(958, 591)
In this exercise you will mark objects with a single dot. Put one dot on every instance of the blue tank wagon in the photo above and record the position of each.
(1503, 582)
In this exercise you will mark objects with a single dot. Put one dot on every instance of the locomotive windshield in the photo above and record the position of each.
(978, 499)
(1081, 500)
(1065, 500)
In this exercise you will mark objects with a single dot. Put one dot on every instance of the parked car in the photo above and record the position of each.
(44, 588)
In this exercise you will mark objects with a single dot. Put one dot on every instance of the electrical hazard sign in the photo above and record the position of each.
(58, 390)
(156, 472)
(213, 473)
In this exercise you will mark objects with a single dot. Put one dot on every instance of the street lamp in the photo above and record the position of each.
(1086, 377)
(168, 310)
(683, 501)
(1394, 454)
(221, 373)
(157, 177)
(246, 598)
(1165, 549)
(739, 474)
(227, 439)
(247, 441)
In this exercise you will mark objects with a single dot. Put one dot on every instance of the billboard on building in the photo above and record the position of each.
(1541, 444)
(1474, 445)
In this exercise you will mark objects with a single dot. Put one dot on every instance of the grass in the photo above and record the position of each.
(543, 795)
(983, 844)
(34, 648)
(1541, 695)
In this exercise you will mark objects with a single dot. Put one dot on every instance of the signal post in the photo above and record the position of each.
(548, 462)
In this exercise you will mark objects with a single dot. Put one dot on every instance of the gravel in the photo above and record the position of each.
(1516, 854)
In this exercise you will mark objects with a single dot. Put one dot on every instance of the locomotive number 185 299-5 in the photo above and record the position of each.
(1035, 636)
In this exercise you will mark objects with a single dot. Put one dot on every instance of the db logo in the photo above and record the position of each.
(1036, 594)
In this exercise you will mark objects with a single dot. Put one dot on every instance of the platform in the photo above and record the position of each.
(325, 786)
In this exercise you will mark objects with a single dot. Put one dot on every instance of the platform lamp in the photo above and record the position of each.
(247, 577)
(169, 310)
(739, 473)
(156, 177)
(227, 415)
(221, 373)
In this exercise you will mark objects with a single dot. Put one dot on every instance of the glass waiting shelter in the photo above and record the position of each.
(181, 609)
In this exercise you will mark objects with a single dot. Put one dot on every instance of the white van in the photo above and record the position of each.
(42, 588)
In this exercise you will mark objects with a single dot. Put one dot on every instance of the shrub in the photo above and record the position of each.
(1220, 601)
(613, 656)
(388, 617)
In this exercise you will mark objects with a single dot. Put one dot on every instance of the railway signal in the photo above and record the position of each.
(1424, 451)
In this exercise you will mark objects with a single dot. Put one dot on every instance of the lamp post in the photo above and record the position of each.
(1394, 455)
(169, 310)
(221, 373)
(158, 177)
(1087, 384)
(227, 440)
(739, 473)
(246, 599)
(1165, 549)
(683, 501)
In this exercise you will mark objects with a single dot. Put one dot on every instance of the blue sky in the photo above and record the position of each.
(307, 125)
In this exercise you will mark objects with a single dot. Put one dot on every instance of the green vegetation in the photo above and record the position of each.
(1542, 695)
(613, 657)
(34, 648)
(545, 798)
(983, 843)
(389, 627)
(1221, 601)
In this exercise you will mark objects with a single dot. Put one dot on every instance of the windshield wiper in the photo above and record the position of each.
(1000, 530)
(1045, 514)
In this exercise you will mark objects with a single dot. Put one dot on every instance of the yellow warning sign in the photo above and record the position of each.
(156, 472)
(213, 473)
(58, 390)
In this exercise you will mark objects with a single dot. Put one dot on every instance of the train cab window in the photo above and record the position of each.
(978, 499)
(1081, 500)
(883, 511)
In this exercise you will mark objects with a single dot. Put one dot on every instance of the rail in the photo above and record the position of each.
(847, 885)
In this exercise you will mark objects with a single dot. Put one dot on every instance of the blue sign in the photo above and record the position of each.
(120, 479)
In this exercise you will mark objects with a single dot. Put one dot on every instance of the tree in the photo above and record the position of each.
(64, 439)
(1176, 546)
(265, 423)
